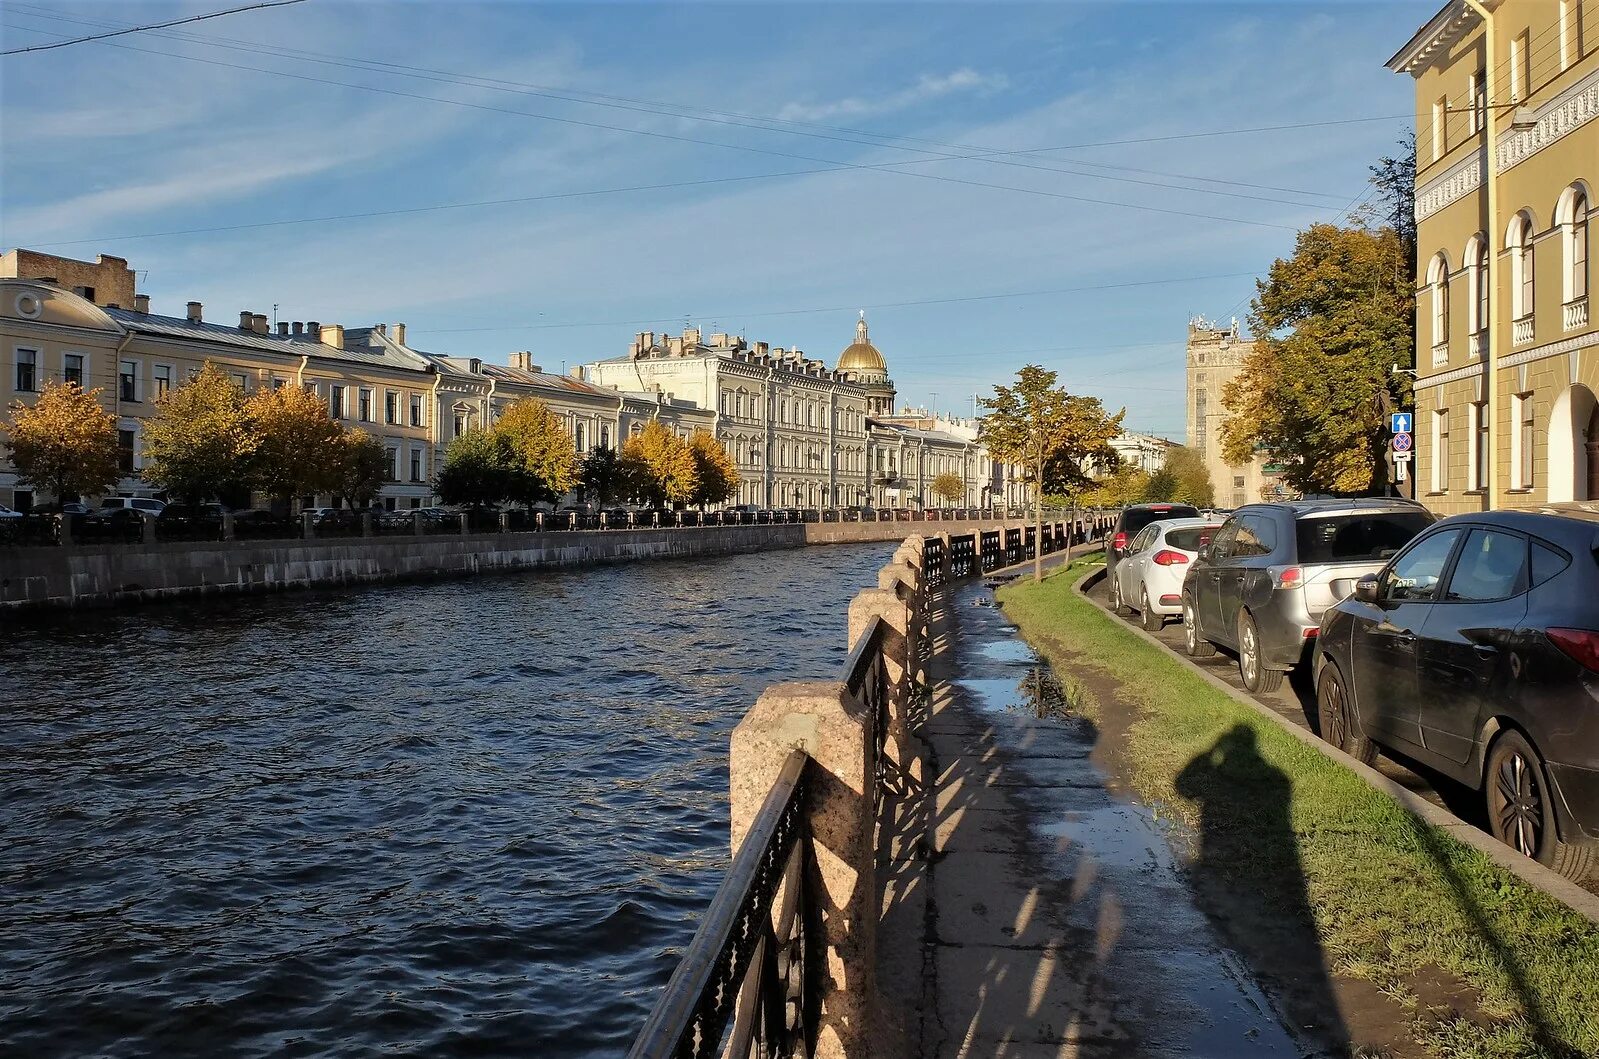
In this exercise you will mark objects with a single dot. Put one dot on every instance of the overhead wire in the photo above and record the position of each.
(127, 29)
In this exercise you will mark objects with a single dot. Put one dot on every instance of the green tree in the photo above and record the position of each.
(64, 442)
(477, 470)
(363, 466)
(543, 460)
(1127, 484)
(716, 476)
(199, 443)
(659, 466)
(1050, 433)
(1315, 392)
(298, 449)
(1192, 477)
(1161, 487)
(602, 476)
(949, 488)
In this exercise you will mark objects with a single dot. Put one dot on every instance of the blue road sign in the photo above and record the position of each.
(1399, 423)
(1402, 442)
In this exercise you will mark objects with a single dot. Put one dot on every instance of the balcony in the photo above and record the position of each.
(1476, 342)
(1440, 354)
(1521, 331)
(1574, 314)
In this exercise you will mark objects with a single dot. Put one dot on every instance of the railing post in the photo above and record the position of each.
(605, 522)
(308, 525)
(228, 533)
(505, 521)
(416, 522)
(822, 719)
(466, 524)
(146, 528)
(538, 521)
(64, 535)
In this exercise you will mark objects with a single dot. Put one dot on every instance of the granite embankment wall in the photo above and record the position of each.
(863, 532)
(100, 575)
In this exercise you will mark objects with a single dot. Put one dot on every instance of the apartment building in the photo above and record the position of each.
(1507, 166)
(1216, 356)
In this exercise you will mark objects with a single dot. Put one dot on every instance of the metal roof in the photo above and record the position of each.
(233, 337)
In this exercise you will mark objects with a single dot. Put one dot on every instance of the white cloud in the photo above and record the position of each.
(926, 89)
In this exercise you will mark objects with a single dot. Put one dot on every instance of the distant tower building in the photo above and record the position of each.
(862, 363)
(1215, 357)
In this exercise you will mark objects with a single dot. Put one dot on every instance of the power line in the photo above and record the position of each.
(153, 26)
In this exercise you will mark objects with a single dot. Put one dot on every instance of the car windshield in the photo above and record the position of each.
(1135, 519)
(1369, 536)
(1191, 538)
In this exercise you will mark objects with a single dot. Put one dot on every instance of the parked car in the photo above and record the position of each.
(1261, 585)
(6, 512)
(70, 507)
(1132, 520)
(133, 503)
(196, 520)
(1475, 651)
(1149, 579)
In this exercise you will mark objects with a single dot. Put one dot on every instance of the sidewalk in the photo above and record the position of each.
(1028, 910)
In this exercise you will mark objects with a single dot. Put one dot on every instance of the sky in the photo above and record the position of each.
(555, 178)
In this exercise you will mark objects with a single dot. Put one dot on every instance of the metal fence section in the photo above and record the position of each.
(962, 555)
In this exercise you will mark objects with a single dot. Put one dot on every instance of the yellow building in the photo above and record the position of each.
(1505, 268)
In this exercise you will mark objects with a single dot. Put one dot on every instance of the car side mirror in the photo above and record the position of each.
(1366, 589)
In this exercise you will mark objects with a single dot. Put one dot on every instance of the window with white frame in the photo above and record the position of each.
(1521, 265)
(417, 418)
(580, 435)
(72, 368)
(392, 453)
(1440, 451)
(336, 400)
(1477, 457)
(1477, 262)
(391, 406)
(416, 464)
(1574, 231)
(162, 374)
(364, 404)
(1521, 445)
(127, 380)
(1438, 277)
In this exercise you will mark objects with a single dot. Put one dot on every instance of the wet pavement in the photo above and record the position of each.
(1055, 918)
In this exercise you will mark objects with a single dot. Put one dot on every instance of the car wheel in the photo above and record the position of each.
(1197, 646)
(1340, 719)
(1116, 605)
(1147, 617)
(1251, 666)
(1521, 813)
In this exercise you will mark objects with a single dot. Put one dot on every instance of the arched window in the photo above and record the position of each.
(1521, 264)
(1438, 279)
(1477, 271)
(1571, 217)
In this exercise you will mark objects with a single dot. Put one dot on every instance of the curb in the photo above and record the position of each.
(1528, 871)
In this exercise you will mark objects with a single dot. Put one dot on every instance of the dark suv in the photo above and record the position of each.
(1135, 518)
(1262, 584)
(1476, 652)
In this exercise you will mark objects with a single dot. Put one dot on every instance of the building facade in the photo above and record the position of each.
(1507, 166)
(1216, 355)
(1145, 452)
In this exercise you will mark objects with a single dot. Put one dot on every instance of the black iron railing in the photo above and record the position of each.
(962, 552)
(750, 976)
(866, 677)
(933, 560)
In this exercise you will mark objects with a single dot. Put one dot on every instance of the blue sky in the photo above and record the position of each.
(101, 141)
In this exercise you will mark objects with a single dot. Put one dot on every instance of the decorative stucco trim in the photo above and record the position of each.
(1449, 376)
(1450, 186)
(1550, 349)
(1561, 116)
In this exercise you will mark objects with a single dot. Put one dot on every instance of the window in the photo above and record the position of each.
(392, 456)
(1477, 458)
(163, 379)
(364, 404)
(1440, 110)
(1238, 481)
(1492, 565)
(1518, 58)
(1477, 262)
(1575, 224)
(1521, 444)
(1440, 451)
(1200, 400)
(416, 465)
(460, 424)
(1438, 277)
(125, 451)
(278, 384)
(580, 434)
(1479, 101)
(1414, 576)
(127, 381)
(416, 410)
(1364, 537)
(336, 400)
(1547, 561)
(391, 406)
(1521, 264)
(725, 405)
(605, 436)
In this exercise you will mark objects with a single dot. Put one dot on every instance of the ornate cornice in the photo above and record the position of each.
(1452, 185)
(1561, 116)
(1449, 376)
(1549, 349)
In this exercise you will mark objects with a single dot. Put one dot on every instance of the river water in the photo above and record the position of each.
(441, 819)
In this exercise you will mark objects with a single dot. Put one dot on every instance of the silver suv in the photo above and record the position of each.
(133, 503)
(1262, 584)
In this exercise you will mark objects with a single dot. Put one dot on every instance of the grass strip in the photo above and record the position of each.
(1391, 898)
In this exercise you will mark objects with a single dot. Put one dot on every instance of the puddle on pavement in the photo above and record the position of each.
(1013, 649)
(1033, 692)
(1120, 835)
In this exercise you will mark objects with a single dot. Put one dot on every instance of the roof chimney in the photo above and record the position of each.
(141, 304)
(258, 323)
(195, 313)
(523, 360)
(299, 328)
(283, 329)
(332, 335)
(246, 320)
(313, 329)
(398, 334)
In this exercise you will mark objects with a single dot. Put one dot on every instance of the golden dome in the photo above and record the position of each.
(862, 356)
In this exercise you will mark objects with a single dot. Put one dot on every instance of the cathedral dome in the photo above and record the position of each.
(861, 356)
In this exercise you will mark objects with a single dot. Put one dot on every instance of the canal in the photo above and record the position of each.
(444, 819)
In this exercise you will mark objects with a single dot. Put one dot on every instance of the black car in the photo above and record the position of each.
(1135, 518)
(1475, 652)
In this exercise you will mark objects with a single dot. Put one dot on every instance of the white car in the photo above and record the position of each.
(6, 512)
(143, 504)
(1149, 578)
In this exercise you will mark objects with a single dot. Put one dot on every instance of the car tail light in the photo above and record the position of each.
(1171, 600)
(1581, 644)
(1287, 577)
(1312, 632)
(1167, 557)
(1119, 541)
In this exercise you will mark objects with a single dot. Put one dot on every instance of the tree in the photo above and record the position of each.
(298, 448)
(1192, 477)
(543, 460)
(949, 488)
(363, 467)
(199, 443)
(716, 476)
(1314, 393)
(65, 442)
(602, 476)
(477, 470)
(1050, 433)
(1127, 484)
(1395, 203)
(660, 467)
(1161, 487)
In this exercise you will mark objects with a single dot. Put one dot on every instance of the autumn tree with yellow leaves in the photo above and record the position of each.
(543, 463)
(716, 474)
(659, 466)
(298, 448)
(64, 442)
(199, 443)
(949, 488)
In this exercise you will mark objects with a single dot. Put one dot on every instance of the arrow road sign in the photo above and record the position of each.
(1399, 423)
(1403, 442)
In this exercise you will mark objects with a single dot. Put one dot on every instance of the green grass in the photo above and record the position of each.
(1388, 898)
